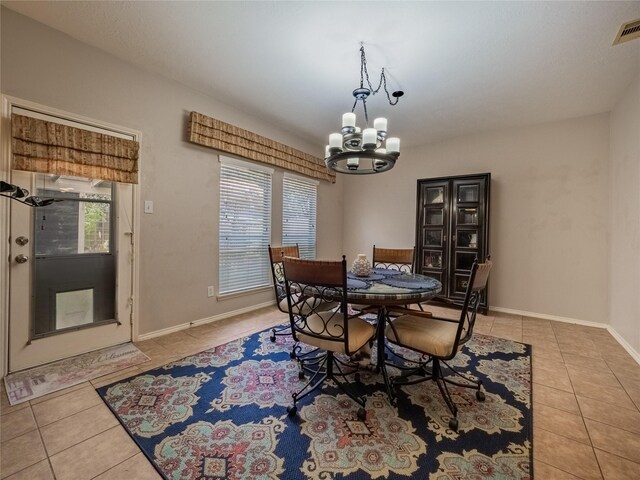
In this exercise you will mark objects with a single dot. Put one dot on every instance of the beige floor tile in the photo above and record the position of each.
(65, 405)
(76, 428)
(539, 339)
(59, 393)
(624, 370)
(114, 377)
(547, 472)
(614, 440)
(585, 361)
(5, 407)
(16, 423)
(542, 322)
(545, 358)
(555, 398)
(617, 468)
(21, 452)
(560, 422)
(580, 351)
(565, 454)
(158, 362)
(558, 379)
(39, 471)
(149, 347)
(634, 393)
(173, 338)
(137, 467)
(611, 395)
(604, 379)
(622, 418)
(94, 456)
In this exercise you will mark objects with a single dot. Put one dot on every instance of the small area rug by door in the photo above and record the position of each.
(38, 381)
(222, 414)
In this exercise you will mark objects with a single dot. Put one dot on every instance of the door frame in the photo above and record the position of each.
(8, 102)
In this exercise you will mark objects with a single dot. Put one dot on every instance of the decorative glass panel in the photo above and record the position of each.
(464, 261)
(461, 283)
(468, 193)
(432, 260)
(467, 239)
(433, 238)
(467, 216)
(434, 216)
(435, 195)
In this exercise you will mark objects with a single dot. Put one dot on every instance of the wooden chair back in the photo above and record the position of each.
(394, 258)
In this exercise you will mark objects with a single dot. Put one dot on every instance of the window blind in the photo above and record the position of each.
(245, 226)
(299, 198)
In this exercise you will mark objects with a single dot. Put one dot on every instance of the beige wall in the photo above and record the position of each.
(549, 211)
(624, 243)
(179, 241)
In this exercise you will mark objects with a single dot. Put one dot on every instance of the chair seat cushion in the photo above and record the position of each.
(360, 332)
(426, 335)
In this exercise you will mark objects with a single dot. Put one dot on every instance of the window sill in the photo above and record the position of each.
(242, 293)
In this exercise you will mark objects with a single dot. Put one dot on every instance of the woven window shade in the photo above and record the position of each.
(228, 138)
(49, 147)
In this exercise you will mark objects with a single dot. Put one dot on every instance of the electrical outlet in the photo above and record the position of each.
(210, 292)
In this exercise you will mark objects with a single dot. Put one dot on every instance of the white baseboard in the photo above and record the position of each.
(202, 321)
(545, 316)
(630, 350)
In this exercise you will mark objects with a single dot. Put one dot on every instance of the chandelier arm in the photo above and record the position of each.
(354, 106)
(366, 114)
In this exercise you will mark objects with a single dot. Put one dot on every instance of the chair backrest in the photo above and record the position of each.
(317, 283)
(394, 258)
(475, 286)
(275, 257)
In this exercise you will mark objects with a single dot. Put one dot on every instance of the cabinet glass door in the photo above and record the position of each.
(433, 234)
(465, 230)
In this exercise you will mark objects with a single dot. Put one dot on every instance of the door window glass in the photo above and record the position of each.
(80, 223)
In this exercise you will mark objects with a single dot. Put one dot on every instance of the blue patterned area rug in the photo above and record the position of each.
(222, 414)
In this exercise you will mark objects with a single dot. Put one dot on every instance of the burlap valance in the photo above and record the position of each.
(228, 138)
(48, 147)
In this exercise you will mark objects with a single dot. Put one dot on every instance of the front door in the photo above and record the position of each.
(71, 268)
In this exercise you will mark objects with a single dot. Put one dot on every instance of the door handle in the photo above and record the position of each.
(22, 258)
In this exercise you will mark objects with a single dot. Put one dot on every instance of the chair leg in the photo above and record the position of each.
(468, 382)
(279, 331)
(325, 369)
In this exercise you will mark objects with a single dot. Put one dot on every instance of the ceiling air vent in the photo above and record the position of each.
(628, 31)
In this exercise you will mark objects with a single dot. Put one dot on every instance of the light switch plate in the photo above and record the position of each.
(148, 206)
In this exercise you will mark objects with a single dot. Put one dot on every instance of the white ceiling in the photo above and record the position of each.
(465, 67)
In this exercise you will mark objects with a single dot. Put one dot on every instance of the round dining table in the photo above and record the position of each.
(383, 288)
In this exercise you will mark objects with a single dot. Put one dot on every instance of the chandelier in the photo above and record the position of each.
(21, 195)
(361, 152)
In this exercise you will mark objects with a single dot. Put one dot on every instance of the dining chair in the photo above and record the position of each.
(394, 258)
(330, 331)
(275, 259)
(439, 339)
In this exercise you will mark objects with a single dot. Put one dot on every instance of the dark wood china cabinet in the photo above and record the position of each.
(452, 230)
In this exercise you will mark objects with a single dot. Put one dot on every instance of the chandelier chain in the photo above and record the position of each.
(364, 73)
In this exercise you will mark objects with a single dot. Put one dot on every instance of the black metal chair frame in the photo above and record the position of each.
(304, 278)
(436, 363)
(278, 285)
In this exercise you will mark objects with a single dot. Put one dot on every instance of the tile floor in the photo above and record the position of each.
(586, 404)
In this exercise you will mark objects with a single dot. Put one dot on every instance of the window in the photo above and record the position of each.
(245, 225)
(299, 214)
